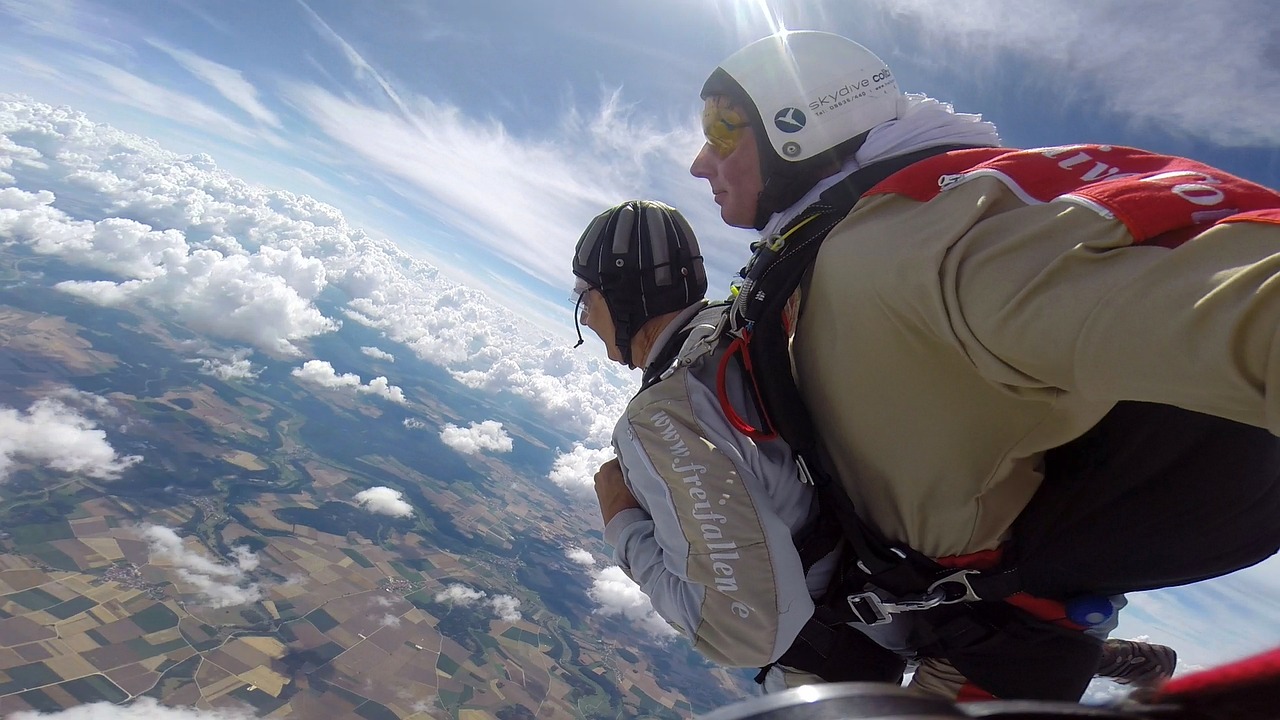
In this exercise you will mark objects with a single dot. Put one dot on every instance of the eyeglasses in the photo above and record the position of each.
(578, 298)
(723, 125)
(580, 288)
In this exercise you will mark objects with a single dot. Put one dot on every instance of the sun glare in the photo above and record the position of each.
(747, 14)
(776, 24)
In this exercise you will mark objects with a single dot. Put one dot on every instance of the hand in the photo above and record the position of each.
(612, 491)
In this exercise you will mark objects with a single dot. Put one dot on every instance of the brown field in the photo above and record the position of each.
(49, 339)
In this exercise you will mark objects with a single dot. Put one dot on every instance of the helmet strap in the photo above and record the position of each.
(622, 320)
(622, 338)
(577, 317)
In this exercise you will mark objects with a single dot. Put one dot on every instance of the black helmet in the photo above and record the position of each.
(644, 260)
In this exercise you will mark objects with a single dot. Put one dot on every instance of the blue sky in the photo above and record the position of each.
(482, 136)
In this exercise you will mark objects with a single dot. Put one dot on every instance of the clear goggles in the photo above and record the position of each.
(723, 125)
(580, 288)
(579, 296)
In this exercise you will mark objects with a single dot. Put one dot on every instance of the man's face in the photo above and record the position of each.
(730, 162)
(595, 315)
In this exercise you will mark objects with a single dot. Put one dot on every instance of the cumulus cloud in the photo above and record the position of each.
(246, 264)
(232, 367)
(487, 435)
(575, 470)
(54, 435)
(241, 297)
(505, 607)
(414, 423)
(616, 594)
(378, 353)
(140, 709)
(580, 556)
(384, 501)
(219, 584)
(389, 620)
(459, 594)
(86, 402)
(229, 371)
(321, 373)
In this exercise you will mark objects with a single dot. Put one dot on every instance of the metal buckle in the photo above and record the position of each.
(869, 608)
(961, 578)
(806, 477)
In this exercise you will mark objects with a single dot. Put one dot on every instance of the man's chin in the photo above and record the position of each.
(738, 220)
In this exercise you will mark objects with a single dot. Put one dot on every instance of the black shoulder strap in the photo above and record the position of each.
(769, 346)
(653, 372)
(770, 354)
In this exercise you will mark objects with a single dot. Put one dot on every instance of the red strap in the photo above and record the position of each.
(1257, 669)
(981, 560)
(972, 693)
(762, 434)
(1051, 611)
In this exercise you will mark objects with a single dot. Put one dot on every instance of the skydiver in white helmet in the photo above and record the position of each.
(971, 324)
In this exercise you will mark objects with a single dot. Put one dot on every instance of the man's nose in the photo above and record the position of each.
(702, 166)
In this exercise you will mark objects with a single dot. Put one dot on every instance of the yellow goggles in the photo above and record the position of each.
(723, 125)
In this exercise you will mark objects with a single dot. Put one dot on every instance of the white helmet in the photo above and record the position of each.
(815, 94)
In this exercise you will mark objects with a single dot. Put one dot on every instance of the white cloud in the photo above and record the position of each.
(487, 435)
(1212, 622)
(361, 67)
(219, 584)
(580, 556)
(229, 82)
(384, 501)
(140, 709)
(550, 187)
(229, 370)
(117, 85)
(575, 470)
(1183, 67)
(381, 387)
(616, 594)
(389, 620)
(505, 607)
(245, 264)
(51, 434)
(378, 353)
(459, 594)
(258, 299)
(414, 423)
(228, 366)
(322, 373)
(86, 401)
